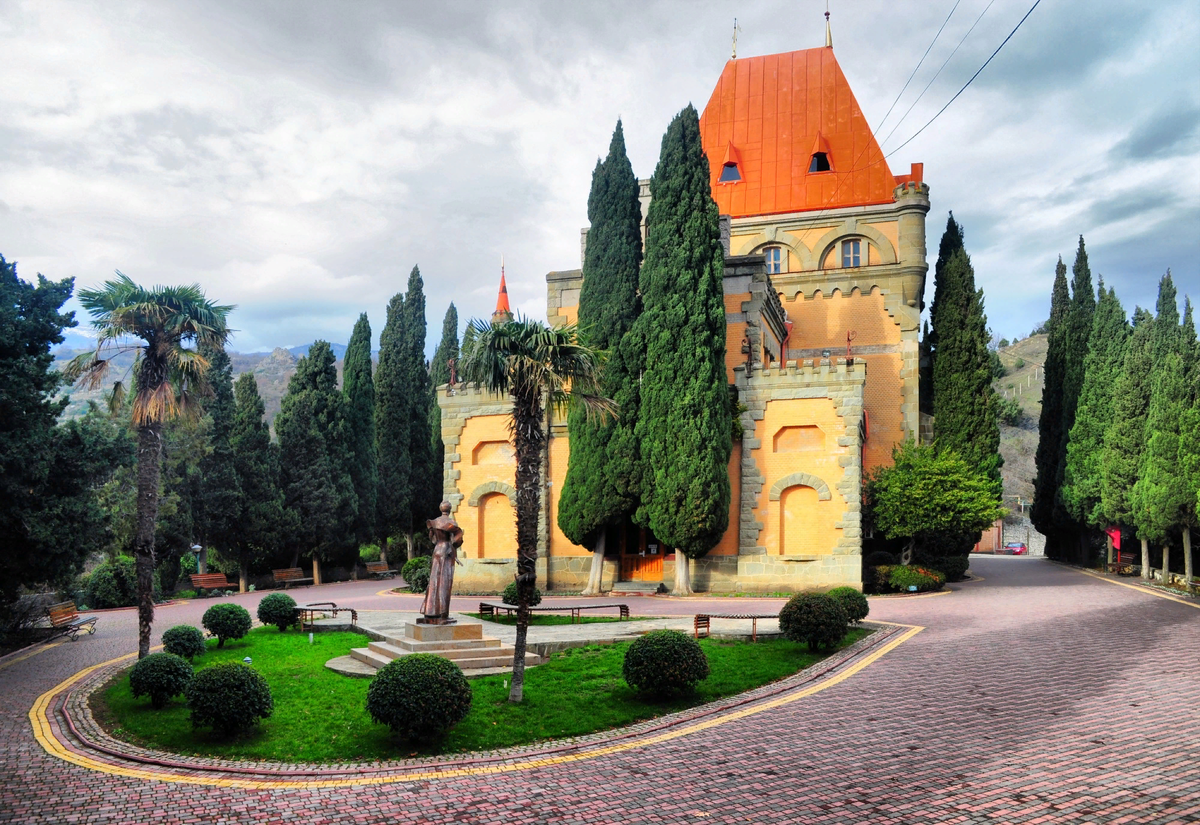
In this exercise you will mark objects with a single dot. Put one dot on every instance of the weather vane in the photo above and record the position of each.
(736, 29)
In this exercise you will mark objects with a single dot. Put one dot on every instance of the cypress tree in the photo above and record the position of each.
(425, 476)
(260, 516)
(1189, 437)
(315, 458)
(1085, 448)
(683, 427)
(952, 241)
(1159, 496)
(1125, 440)
(1050, 435)
(964, 404)
(359, 389)
(392, 426)
(439, 373)
(601, 487)
(220, 495)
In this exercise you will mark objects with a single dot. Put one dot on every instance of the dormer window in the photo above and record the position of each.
(851, 253)
(774, 256)
(730, 174)
(820, 162)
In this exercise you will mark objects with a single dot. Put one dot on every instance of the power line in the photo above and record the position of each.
(919, 62)
(969, 82)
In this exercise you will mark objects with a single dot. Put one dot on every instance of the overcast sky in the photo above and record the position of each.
(297, 159)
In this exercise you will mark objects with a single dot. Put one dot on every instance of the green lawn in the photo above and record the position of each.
(545, 619)
(320, 716)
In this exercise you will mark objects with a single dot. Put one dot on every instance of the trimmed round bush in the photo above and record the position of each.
(815, 618)
(160, 676)
(419, 696)
(954, 568)
(278, 609)
(184, 640)
(902, 578)
(509, 596)
(229, 697)
(226, 621)
(415, 573)
(853, 602)
(665, 662)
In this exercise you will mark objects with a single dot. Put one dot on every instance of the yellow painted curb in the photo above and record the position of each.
(40, 720)
(1140, 588)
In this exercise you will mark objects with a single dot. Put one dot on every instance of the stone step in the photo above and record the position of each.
(635, 588)
(396, 651)
(370, 657)
(415, 646)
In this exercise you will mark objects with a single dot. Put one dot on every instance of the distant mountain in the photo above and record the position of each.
(339, 350)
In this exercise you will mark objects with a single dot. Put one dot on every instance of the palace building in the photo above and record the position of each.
(824, 275)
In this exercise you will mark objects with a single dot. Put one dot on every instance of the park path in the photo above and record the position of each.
(1038, 694)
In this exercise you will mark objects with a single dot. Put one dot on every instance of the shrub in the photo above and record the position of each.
(278, 609)
(878, 557)
(853, 602)
(954, 568)
(815, 618)
(229, 697)
(184, 640)
(160, 676)
(664, 662)
(1009, 411)
(415, 573)
(112, 584)
(875, 579)
(369, 552)
(902, 578)
(419, 696)
(226, 621)
(510, 595)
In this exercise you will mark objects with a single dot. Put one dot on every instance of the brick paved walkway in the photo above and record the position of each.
(1037, 695)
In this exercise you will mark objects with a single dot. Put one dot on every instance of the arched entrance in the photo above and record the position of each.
(797, 528)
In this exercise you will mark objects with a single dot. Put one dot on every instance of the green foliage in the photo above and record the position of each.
(964, 406)
(278, 609)
(603, 475)
(1125, 438)
(160, 676)
(314, 442)
(416, 573)
(1009, 411)
(183, 640)
(1050, 432)
(1019, 363)
(928, 493)
(369, 552)
(425, 473)
(878, 557)
(996, 365)
(1080, 489)
(852, 601)
(359, 389)
(262, 520)
(112, 584)
(902, 578)
(393, 404)
(439, 374)
(817, 619)
(226, 620)
(683, 425)
(954, 568)
(1003, 343)
(663, 663)
(229, 698)
(419, 696)
(219, 496)
(510, 595)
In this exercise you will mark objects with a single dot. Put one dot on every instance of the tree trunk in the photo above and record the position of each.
(243, 577)
(683, 575)
(529, 437)
(149, 455)
(383, 550)
(1108, 548)
(1145, 560)
(595, 577)
(316, 570)
(1187, 557)
(1166, 568)
(907, 554)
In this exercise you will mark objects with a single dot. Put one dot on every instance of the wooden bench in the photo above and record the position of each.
(307, 613)
(1123, 566)
(487, 609)
(66, 621)
(379, 570)
(211, 581)
(289, 576)
(703, 620)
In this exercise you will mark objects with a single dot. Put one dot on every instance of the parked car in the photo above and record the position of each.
(1014, 548)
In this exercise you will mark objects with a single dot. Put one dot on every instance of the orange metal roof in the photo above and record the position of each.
(502, 298)
(771, 113)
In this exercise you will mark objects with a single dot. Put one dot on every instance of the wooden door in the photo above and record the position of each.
(641, 558)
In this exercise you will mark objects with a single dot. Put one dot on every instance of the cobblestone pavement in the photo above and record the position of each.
(1037, 695)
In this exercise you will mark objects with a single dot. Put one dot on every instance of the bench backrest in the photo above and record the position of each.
(288, 573)
(376, 566)
(62, 613)
(209, 581)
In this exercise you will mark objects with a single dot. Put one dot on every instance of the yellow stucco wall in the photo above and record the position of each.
(560, 455)
(728, 545)
(798, 523)
(485, 448)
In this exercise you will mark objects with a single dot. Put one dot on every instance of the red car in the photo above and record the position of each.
(1014, 548)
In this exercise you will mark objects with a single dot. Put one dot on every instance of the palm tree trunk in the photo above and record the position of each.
(529, 437)
(149, 455)
(597, 572)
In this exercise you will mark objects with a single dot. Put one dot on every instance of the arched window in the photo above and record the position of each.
(851, 253)
(774, 255)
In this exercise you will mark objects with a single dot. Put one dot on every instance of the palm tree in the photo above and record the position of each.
(169, 380)
(536, 366)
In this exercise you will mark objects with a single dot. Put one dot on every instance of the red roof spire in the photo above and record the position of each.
(503, 313)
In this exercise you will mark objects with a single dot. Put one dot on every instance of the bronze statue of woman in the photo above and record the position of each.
(447, 538)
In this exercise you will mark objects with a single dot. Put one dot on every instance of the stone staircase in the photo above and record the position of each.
(462, 643)
(634, 588)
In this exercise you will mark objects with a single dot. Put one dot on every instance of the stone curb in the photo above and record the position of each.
(75, 729)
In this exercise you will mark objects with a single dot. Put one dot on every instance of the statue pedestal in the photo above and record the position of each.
(442, 632)
(462, 643)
